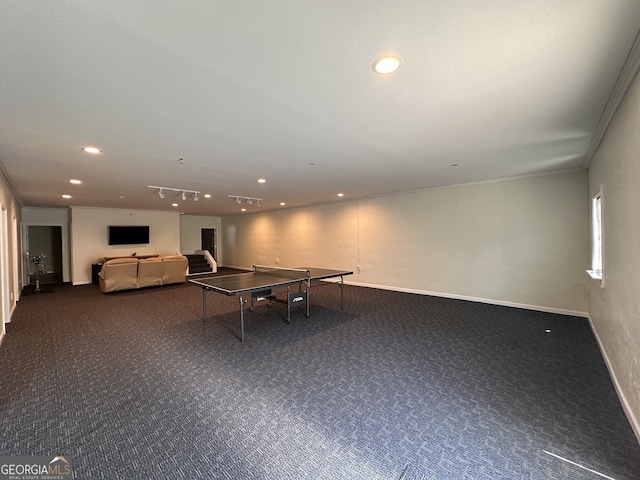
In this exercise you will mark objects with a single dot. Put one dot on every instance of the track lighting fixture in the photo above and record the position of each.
(185, 192)
(249, 200)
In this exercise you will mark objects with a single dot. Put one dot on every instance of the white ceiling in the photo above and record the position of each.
(284, 90)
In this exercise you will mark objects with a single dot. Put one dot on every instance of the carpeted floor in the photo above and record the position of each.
(133, 385)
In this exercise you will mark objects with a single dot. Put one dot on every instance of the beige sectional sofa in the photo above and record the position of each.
(130, 272)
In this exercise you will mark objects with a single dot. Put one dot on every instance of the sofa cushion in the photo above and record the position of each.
(149, 272)
(119, 274)
(174, 269)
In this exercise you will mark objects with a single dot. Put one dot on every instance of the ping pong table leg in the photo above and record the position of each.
(241, 319)
(288, 306)
(341, 292)
(307, 288)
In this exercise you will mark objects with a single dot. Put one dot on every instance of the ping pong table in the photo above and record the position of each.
(260, 282)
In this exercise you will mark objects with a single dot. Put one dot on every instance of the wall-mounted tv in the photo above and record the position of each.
(128, 235)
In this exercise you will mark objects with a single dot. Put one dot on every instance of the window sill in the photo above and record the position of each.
(595, 275)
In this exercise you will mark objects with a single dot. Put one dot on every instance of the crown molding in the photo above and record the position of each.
(9, 183)
(623, 83)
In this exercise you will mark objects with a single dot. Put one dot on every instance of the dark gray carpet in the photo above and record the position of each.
(133, 385)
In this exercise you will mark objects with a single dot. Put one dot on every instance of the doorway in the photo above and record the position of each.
(209, 241)
(45, 246)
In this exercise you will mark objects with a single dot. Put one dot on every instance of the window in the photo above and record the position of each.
(596, 237)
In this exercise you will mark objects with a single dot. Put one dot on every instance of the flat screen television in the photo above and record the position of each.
(128, 235)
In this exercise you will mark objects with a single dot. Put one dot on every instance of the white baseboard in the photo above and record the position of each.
(539, 308)
(635, 425)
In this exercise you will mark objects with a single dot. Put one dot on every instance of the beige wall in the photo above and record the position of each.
(615, 310)
(318, 236)
(249, 240)
(10, 258)
(520, 242)
(89, 239)
(323, 236)
(190, 231)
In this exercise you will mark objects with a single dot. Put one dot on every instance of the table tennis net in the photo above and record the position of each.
(293, 273)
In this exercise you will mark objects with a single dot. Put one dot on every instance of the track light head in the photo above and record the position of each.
(196, 197)
(184, 195)
(160, 194)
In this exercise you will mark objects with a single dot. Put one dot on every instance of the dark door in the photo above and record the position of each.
(208, 236)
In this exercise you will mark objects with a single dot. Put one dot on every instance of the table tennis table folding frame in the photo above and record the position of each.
(239, 284)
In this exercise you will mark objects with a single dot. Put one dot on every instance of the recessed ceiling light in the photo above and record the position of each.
(66, 196)
(75, 181)
(387, 64)
(174, 204)
(120, 197)
(341, 194)
(93, 150)
(262, 180)
(243, 209)
(282, 204)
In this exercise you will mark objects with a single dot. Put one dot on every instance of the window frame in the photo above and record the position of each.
(596, 271)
